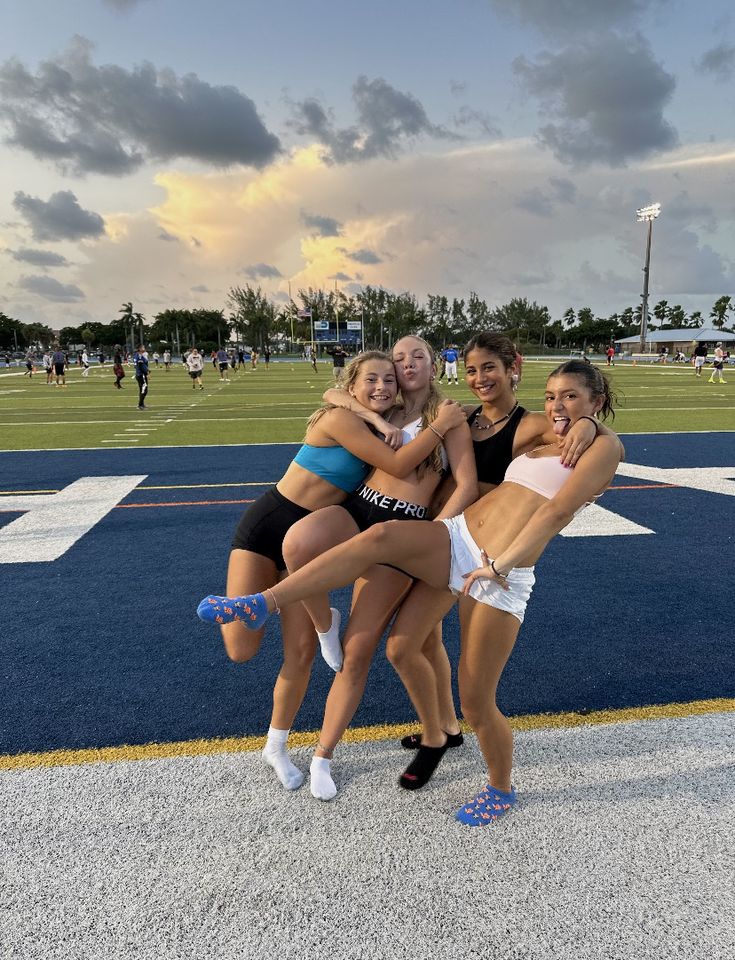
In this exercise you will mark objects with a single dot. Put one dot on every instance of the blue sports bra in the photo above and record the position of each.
(334, 464)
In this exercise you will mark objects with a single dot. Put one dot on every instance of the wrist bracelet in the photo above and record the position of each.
(434, 430)
(596, 422)
(497, 573)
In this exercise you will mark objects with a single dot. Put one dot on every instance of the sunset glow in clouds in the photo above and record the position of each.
(500, 147)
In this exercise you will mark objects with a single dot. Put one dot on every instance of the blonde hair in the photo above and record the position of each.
(352, 372)
(429, 411)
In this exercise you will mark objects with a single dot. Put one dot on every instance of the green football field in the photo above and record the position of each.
(271, 406)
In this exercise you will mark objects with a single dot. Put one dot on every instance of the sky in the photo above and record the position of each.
(160, 152)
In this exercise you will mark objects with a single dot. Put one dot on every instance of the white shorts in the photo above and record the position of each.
(699, 361)
(450, 368)
(465, 558)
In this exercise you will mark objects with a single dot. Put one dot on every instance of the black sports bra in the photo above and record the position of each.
(493, 456)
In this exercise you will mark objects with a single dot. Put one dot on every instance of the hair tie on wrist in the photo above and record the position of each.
(434, 430)
(593, 420)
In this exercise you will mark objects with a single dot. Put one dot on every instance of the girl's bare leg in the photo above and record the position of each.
(488, 637)
(436, 653)
(420, 547)
(311, 537)
(374, 602)
(420, 612)
(299, 648)
(246, 573)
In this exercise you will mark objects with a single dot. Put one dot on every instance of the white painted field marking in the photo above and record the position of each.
(53, 523)
(710, 479)
(595, 521)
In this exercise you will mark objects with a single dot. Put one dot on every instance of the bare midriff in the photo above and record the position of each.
(308, 490)
(495, 520)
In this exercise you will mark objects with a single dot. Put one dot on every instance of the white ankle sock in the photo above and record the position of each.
(276, 756)
(330, 643)
(322, 785)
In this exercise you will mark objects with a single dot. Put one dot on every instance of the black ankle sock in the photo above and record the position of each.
(413, 740)
(419, 771)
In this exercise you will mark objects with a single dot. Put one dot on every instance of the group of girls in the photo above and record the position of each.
(532, 472)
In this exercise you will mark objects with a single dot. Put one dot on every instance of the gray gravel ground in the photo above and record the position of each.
(621, 847)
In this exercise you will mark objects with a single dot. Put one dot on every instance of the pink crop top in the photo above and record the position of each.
(544, 475)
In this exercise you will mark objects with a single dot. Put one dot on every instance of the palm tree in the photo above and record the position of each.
(719, 311)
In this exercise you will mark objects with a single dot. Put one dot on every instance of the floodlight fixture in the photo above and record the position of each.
(648, 213)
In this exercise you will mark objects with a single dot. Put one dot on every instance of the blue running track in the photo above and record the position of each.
(101, 647)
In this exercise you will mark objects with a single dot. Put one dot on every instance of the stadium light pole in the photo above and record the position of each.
(646, 215)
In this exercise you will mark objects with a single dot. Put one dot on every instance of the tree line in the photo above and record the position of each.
(257, 320)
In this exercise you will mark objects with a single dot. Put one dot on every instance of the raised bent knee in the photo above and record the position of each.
(241, 645)
(296, 551)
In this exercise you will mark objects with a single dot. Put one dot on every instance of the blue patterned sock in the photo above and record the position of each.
(251, 611)
(487, 807)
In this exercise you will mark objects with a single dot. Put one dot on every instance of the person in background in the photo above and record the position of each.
(84, 362)
(59, 360)
(339, 356)
(195, 364)
(140, 362)
(166, 360)
(117, 367)
(253, 358)
(450, 357)
(718, 363)
(48, 367)
(700, 357)
(266, 355)
(222, 361)
(610, 356)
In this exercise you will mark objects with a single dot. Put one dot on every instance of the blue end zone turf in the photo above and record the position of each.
(102, 646)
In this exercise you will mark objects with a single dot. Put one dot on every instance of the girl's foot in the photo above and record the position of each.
(487, 807)
(413, 740)
(322, 785)
(252, 611)
(331, 645)
(420, 770)
(276, 756)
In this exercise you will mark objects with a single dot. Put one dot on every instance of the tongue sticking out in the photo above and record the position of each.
(560, 426)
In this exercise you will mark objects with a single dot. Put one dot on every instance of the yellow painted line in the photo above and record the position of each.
(206, 748)
(12, 493)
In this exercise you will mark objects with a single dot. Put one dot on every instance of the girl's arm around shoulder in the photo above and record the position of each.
(458, 445)
(535, 430)
(341, 398)
(344, 428)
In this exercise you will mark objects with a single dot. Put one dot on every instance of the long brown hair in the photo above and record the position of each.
(595, 381)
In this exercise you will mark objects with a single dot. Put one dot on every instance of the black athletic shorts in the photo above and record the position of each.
(264, 525)
(368, 507)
